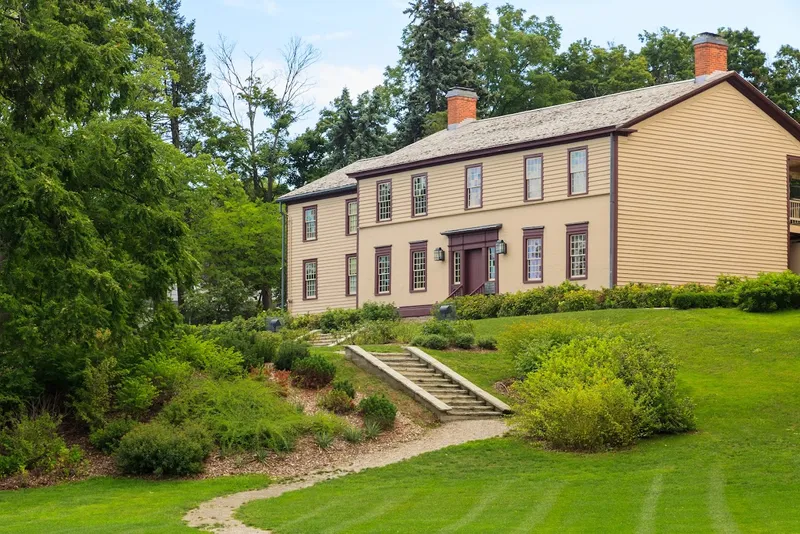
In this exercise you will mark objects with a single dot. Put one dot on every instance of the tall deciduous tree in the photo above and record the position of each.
(669, 55)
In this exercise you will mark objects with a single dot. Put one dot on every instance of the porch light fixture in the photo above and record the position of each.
(438, 254)
(500, 247)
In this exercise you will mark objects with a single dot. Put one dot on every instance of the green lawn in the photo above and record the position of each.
(105, 505)
(739, 472)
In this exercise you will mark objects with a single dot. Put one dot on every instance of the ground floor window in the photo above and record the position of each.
(383, 270)
(492, 267)
(533, 265)
(456, 268)
(419, 266)
(310, 279)
(351, 265)
(578, 251)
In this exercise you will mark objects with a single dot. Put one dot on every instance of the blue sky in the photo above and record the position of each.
(357, 39)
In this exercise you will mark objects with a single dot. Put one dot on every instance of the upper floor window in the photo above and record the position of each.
(533, 177)
(533, 241)
(383, 270)
(310, 279)
(352, 274)
(419, 266)
(578, 251)
(474, 185)
(578, 171)
(385, 201)
(419, 189)
(310, 223)
(352, 217)
(492, 267)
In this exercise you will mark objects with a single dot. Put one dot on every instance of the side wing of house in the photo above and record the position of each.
(702, 190)
(503, 213)
(317, 277)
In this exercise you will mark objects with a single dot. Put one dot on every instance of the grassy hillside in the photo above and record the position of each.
(738, 471)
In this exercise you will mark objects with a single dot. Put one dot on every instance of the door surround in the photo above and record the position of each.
(480, 237)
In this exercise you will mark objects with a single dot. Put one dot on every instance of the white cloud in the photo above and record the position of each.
(333, 36)
(329, 80)
(270, 7)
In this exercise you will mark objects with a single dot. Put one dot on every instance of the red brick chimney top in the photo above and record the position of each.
(462, 104)
(710, 55)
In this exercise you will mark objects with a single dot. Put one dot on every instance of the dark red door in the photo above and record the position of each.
(475, 270)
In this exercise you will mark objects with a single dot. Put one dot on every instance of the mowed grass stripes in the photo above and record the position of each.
(738, 473)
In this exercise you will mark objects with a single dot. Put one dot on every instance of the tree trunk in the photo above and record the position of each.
(266, 297)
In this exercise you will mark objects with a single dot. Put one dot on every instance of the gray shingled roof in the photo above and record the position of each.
(528, 126)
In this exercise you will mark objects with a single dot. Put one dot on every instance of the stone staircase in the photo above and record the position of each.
(446, 393)
(321, 339)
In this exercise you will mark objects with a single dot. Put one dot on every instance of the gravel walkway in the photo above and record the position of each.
(217, 514)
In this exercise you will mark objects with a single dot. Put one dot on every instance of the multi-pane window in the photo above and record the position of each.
(456, 268)
(578, 182)
(384, 201)
(419, 185)
(310, 279)
(310, 223)
(578, 251)
(533, 242)
(418, 262)
(533, 178)
(383, 270)
(492, 267)
(352, 274)
(474, 186)
(352, 217)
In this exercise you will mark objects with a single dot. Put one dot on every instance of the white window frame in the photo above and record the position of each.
(419, 190)
(419, 266)
(473, 183)
(534, 255)
(578, 171)
(534, 177)
(491, 269)
(352, 217)
(310, 279)
(310, 224)
(384, 193)
(352, 275)
(457, 268)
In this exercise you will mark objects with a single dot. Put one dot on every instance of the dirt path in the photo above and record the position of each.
(216, 515)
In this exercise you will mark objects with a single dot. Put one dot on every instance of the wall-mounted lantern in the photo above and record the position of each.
(438, 254)
(500, 247)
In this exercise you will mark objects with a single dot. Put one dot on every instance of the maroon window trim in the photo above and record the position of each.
(383, 251)
(316, 222)
(378, 201)
(532, 232)
(427, 195)
(305, 292)
(525, 177)
(347, 258)
(466, 186)
(576, 229)
(347, 216)
(417, 246)
(569, 170)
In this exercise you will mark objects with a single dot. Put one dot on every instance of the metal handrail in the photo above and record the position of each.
(457, 292)
(478, 290)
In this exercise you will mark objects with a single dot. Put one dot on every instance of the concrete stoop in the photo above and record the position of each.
(444, 392)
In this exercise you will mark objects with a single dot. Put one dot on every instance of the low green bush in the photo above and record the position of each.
(33, 444)
(353, 434)
(246, 336)
(92, 401)
(378, 410)
(324, 439)
(208, 357)
(486, 342)
(242, 415)
(372, 429)
(430, 341)
(308, 321)
(340, 319)
(769, 292)
(166, 373)
(346, 386)
(376, 311)
(160, 449)
(108, 437)
(635, 295)
(464, 340)
(314, 372)
(135, 395)
(581, 300)
(289, 352)
(690, 300)
(336, 401)
(375, 333)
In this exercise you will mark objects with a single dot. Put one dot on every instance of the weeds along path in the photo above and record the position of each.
(217, 515)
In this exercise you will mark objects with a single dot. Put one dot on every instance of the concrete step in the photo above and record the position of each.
(420, 373)
(383, 355)
(433, 380)
(475, 403)
(474, 413)
(409, 365)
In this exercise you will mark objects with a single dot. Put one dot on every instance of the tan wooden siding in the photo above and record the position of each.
(329, 250)
(552, 215)
(702, 191)
(503, 185)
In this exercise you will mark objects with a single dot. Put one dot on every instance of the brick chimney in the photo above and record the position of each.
(710, 55)
(462, 105)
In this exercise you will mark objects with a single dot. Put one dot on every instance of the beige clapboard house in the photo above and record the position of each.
(673, 183)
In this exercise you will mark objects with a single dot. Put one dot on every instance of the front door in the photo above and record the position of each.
(475, 275)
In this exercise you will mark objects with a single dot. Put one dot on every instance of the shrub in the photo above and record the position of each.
(464, 340)
(107, 438)
(581, 300)
(477, 306)
(161, 449)
(314, 372)
(430, 341)
(166, 373)
(529, 343)
(379, 410)
(446, 329)
(307, 321)
(246, 336)
(242, 415)
(728, 283)
(689, 300)
(372, 429)
(346, 386)
(324, 439)
(34, 444)
(769, 292)
(404, 331)
(136, 394)
(336, 401)
(634, 295)
(208, 357)
(376, 311)
(375, 333)
(289, 352)
(219, 299)
(92, 400)
(339, 319)
(353, 434)
(486, 342)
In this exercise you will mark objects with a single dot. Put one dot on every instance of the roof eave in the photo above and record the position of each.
(314, 195)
